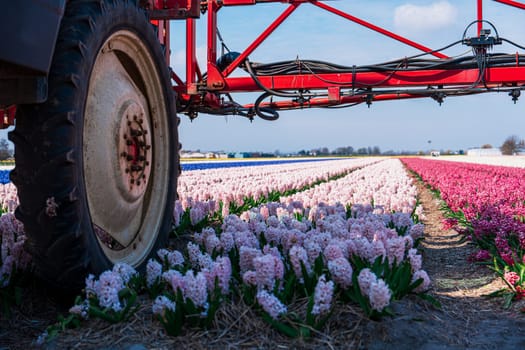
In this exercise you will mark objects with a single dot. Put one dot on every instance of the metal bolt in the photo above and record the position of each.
(129, 142)
(147, 163)
(129, 123)
(126, 170)
(123, 154)
(132, 181)
(135, 117)
(138, 182)
(129, 157)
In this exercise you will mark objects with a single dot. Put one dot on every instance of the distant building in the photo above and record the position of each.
(484, 152)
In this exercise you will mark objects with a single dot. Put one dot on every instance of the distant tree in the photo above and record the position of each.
(511, 145)
(376, 151)
(487, 146)
(5, 152)
(362, 151)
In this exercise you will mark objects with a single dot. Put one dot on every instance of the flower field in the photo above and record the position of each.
(292, 241)
(487, 204)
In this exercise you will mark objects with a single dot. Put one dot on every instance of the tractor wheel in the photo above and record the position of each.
(97, 163)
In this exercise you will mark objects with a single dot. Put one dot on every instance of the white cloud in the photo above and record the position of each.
(411, 17)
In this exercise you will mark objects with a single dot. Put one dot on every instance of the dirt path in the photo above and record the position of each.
(467, 319)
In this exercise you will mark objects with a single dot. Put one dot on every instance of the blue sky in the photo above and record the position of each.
(311, 33)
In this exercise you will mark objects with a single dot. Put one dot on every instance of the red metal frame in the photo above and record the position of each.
(203, 92)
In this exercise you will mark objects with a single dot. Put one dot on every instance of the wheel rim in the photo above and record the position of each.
(126, 149)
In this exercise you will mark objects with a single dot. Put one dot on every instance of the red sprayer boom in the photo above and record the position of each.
(304, 84)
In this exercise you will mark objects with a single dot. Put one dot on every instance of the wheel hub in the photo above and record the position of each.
(134, 150)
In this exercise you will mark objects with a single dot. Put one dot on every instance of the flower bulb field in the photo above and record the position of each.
(301, 254)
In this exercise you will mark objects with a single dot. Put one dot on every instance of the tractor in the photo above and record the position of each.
(89, 88)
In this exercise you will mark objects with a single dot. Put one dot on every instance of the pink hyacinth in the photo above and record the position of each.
(395, 249)
(153, 272)
(341, 272)
(512, 278)
(246, 257)
(175, 279)
(271, 304)
(379, 295)
(222, 272)
(265, 271)
(323, 295)
(161, 304)
(365, 279)
(107, 288)
(250, 278)
(297, 256)
(333, 251)
(415, 259)
(125, 271)
(195, 288)
(423, 287)
(226, 241)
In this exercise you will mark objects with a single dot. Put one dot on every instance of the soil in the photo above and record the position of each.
(467, 319)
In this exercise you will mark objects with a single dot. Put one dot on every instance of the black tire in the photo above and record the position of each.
(66, 179)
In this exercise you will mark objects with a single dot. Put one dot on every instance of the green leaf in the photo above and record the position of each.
(279, 326)
(430, 299)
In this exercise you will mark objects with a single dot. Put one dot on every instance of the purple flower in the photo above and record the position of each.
(379, 295)
(423, 287)
(195, 288)
(246, 256)
(415, 260)
(271, 304)
(365, 279)
(153, 272)
(125, 271)
(222, 271)
(250, 278)
(323, 295)
(265, 271)
(341, 272)
(299, 256)
(161, 304)
(333, 251)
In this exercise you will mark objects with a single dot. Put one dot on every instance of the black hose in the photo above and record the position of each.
(260, 111)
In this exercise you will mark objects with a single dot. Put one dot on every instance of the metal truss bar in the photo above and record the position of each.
(456, 77)
(378, 29)
(512, 3)
(260, 39)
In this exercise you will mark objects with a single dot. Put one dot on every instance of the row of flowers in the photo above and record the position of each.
(384, 184)
(233, 190)
(290, 262)
(487, 204)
